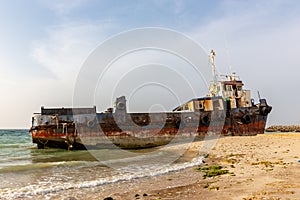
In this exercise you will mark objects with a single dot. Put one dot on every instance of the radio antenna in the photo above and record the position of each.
(258, 95)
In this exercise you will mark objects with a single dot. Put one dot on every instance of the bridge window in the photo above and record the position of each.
(199, 105)
(216, 103)
(228, 88)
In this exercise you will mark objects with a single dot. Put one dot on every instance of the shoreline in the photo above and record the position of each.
(261, 167)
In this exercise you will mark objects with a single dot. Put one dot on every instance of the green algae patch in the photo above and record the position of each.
(212, 171)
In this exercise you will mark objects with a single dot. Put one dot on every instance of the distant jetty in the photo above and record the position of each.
(283, 128)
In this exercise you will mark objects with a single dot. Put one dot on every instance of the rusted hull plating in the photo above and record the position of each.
(142, 130)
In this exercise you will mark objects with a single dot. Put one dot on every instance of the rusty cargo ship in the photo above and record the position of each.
(228, 109)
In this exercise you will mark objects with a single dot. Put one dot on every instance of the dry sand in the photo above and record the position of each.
(263, 167)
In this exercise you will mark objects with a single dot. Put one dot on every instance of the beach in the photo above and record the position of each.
(257, 167)
(261, 167)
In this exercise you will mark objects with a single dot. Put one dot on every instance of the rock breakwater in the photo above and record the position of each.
(283, 128)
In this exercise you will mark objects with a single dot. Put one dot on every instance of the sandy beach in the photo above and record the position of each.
(259, 167)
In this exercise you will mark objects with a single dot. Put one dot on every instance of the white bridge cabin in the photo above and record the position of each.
(229, 91)
(233, 93)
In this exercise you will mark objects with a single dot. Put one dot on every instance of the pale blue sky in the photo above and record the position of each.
(44, 43)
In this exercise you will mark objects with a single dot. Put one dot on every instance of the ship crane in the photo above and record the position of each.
(213, 89)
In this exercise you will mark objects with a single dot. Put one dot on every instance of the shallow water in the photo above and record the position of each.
(26, 171)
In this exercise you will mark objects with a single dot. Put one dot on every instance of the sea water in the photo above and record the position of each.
(26, 171)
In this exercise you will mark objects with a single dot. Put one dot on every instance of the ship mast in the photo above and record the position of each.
(214, 86)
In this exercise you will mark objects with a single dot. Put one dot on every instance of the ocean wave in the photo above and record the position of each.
(37, 189)
(16, 145)
(27, 165)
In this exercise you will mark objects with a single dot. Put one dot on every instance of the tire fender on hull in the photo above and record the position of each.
(246, 119)
(205, 120)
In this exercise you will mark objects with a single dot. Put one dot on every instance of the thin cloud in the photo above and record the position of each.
(65, 47)
(63, 7)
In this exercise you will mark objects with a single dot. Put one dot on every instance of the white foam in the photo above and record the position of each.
(44, 189)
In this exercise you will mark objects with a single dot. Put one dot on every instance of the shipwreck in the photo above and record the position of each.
(228, 109)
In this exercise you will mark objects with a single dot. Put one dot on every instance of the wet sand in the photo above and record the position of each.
(262, 167)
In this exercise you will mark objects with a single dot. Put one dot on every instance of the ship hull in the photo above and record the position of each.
(108, 130)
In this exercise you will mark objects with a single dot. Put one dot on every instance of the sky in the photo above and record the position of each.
(43, 45)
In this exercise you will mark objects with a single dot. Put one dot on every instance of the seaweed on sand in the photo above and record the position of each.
(212, 171)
